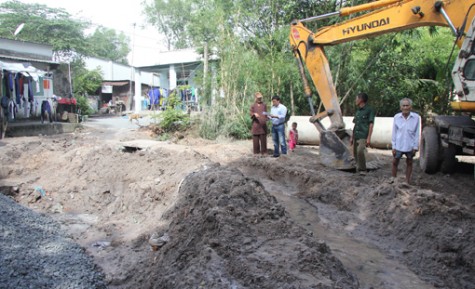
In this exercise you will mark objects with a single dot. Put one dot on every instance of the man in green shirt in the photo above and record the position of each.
(361, 138)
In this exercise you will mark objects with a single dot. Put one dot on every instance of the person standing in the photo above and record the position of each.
(405, 137)
(259, 125)
(277, 115)
(362, 131)
(293, 137)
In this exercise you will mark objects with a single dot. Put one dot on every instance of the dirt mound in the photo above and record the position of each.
(430, 230)
(437, 231)
(228, 232)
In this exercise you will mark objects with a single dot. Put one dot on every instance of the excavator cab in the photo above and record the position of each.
(463, 74)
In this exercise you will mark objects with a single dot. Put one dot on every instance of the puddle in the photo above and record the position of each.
(372, 268)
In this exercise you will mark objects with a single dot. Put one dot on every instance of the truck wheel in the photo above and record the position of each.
(449, 161)
(429, 159)
(3, 127)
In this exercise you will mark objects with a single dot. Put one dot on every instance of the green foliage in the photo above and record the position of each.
(43, 25)
(220, 120)
(164, 136)
(173, 118)
(238, 128)
(83, 104)
(391, 67)
(87, 82)
(250, 39)
(107, 43)
(211, 122)
(173, 101)
(56, 27)
(170, 17)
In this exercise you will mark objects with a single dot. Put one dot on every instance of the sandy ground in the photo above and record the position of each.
(221, 218)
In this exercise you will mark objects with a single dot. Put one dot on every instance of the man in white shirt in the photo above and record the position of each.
(405, 137)
(277, 116)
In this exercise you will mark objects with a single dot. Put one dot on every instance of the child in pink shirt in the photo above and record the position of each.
(293, 137)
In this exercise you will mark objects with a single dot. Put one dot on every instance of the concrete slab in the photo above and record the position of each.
(34, 128)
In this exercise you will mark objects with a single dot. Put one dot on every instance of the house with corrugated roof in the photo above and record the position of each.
(131, 85)
(27, 76)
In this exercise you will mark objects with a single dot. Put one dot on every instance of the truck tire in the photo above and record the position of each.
(1, 128)
(429, 159)
(449, 161)
(3, 125)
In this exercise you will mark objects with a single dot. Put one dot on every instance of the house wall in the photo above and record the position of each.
(165, 77)
(112, 71)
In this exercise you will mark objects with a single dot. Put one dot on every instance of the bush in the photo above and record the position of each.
(84, 106)
(219, 121)
(173, 120)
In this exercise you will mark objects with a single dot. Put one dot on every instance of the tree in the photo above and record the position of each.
(107, 43)
(86, 82)
(44, 25)
(394, 66)
(170, 18)
(250, 39)
(59, 29)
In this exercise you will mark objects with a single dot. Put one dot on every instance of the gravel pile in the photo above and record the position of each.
(35, 253)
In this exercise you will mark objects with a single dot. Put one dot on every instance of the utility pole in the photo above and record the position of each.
(132, 70)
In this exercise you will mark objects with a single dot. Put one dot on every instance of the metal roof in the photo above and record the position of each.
(23, 59)
(183, 70)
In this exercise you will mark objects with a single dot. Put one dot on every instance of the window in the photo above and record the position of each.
(469, 69)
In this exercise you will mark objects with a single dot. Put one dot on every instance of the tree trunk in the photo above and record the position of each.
(292, 103)
(206, 93)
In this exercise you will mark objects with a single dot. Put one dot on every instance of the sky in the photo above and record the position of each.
(118, 15)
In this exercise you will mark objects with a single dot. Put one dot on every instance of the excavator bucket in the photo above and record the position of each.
(334, 152)
(334, 146)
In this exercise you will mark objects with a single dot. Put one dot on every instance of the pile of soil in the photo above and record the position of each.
(428, 226)
(228, 232)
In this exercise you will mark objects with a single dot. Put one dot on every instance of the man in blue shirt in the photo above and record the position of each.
(277, 115)
(405, 137)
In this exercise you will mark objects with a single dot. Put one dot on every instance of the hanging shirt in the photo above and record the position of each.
(18, 88)
(405, 137)
(31, 96)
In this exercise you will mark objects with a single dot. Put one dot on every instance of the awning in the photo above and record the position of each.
(115, 83)
(64, 100)
(25, 69)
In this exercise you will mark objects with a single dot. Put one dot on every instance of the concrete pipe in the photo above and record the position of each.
(309, 135)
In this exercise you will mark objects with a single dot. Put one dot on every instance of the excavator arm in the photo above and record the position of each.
(386, 16)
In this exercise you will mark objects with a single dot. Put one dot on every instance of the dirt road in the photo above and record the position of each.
(229, 220)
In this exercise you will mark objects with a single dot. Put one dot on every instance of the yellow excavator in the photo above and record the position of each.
(448, 135)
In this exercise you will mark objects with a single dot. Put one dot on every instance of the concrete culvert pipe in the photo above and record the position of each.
(309, 135)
